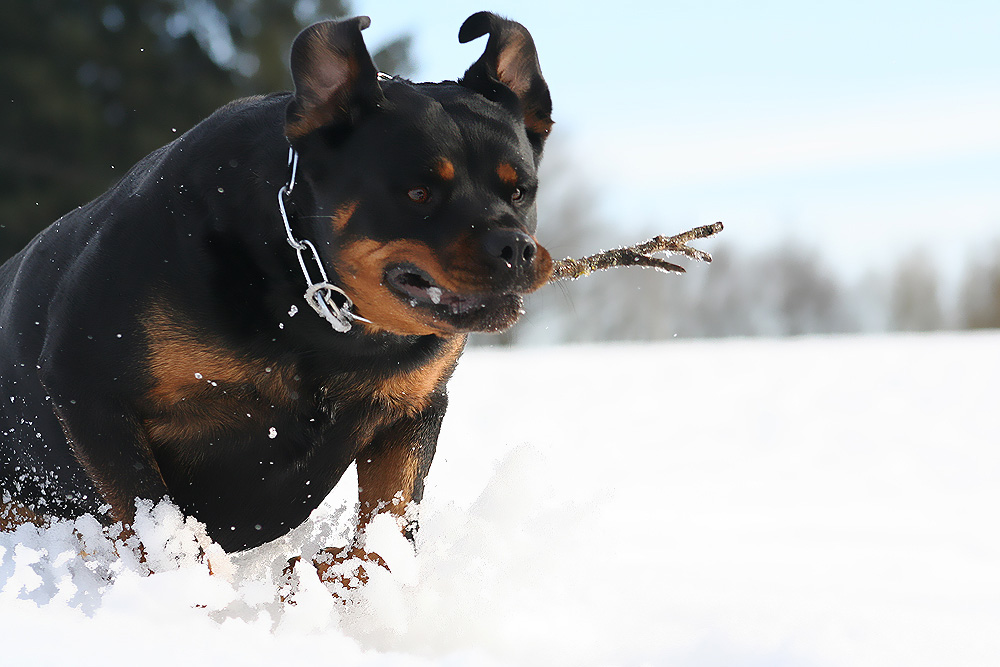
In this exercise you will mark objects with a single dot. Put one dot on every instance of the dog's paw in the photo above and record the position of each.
(342, 569)
(288, 583)
(347, 567)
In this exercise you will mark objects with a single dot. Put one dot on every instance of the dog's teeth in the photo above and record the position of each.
(435, 294)
(413, 303)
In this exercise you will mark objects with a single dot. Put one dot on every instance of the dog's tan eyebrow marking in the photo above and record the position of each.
(445, 169)
(507, 173)
(343, 215)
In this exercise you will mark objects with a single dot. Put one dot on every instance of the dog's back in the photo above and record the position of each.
(90, 269)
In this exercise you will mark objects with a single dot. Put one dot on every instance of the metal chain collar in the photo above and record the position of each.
(319, 294)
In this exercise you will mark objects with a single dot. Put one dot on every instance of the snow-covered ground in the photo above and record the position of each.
(816, 501)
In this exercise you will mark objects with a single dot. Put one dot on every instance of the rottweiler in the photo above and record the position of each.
(281, 291)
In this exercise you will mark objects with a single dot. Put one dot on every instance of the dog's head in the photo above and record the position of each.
(423, 195)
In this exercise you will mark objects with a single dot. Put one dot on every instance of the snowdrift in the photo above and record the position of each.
(816, 501)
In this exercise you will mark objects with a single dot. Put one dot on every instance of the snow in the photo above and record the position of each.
(812, 501)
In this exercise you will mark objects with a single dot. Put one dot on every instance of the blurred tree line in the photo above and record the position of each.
(785, 290)
(87, 87)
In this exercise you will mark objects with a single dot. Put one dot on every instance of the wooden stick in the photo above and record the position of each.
(638, 255)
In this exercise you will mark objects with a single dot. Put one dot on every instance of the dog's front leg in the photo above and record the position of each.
(115, 453)
(391, 472)
(110, 444)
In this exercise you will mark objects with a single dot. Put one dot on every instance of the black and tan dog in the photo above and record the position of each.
(194, 334)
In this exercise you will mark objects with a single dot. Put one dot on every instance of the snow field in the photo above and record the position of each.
(814, 501)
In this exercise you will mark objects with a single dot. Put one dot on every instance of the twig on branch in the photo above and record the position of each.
(639, 254)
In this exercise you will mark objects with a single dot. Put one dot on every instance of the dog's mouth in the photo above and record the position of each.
(462, 312)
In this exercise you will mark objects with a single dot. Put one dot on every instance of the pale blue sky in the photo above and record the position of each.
(860, 128)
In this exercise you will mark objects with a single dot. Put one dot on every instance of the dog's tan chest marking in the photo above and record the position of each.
(411, 392)
(396, 396)
(199, 386)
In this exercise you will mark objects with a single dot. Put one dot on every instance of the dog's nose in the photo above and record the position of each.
(515, 250)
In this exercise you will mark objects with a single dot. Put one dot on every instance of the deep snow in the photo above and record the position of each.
(814, 501)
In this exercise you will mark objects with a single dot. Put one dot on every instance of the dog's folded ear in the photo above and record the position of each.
(508, 72)
(335, 78)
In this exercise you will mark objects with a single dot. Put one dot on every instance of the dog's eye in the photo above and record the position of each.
(517, 194)
(419, 195)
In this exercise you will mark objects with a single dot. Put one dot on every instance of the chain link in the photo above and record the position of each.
(319, 294)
